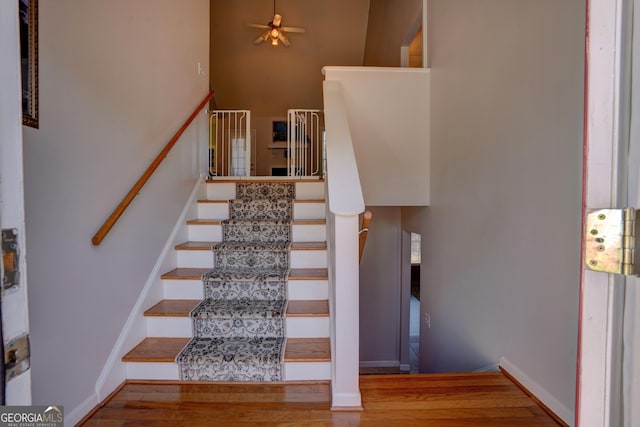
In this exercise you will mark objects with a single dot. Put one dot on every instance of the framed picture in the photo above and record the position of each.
(28, 16)
(280, 131)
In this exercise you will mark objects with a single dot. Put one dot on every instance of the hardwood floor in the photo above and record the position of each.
(388, 400)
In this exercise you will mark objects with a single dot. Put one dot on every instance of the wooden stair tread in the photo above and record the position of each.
(204, 222)
(308, 246)
(172, 308)
(294, 274)
(156, 350)
(309, 222)
(307, 350)
(294, 201)
(206, 246)
(294, 222)
(185, 273)
(308, 274)
(183, 307)
(194, 246)
(312, 308)
(166, 349)
(291, 180)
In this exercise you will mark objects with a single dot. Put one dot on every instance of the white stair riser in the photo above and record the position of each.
(308, 290)
(220, 210)
(204, 233)
(183, 289)
(303, 191)
(307, 327)
(299, 233)
(299, 259)
(298, 290)
(169, 327)
(309, 210)
(182, 327)
(309, 233)
(308, 259)
(310, 190)
(221, 191)
(213, 210)
(307, 371)
(195, 259)
(293, 371)
(152, 371)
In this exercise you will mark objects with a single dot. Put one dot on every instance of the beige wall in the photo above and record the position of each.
(392, 24)
(501, 256)
(117, 78)
(380, 289)
(269, 80)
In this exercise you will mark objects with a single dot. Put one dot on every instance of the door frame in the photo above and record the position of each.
(15, 313)
(598, 389)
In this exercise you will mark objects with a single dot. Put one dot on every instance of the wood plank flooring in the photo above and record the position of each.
(388, 400)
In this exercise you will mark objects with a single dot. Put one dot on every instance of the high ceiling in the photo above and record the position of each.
(267, 79)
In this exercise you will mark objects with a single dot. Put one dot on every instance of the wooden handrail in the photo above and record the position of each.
(364, 230)
(119, 210)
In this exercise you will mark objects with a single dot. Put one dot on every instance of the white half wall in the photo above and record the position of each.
(388, 110)
(501, 247)
(117, 79)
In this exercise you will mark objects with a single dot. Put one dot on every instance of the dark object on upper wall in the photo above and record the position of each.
(280, 131)
(28, 16)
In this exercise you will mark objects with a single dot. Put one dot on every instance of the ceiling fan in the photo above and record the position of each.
(275, 31)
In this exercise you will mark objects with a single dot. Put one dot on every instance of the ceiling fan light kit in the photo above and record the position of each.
(275, 32)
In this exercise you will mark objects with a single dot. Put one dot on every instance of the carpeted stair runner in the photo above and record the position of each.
(239, 327)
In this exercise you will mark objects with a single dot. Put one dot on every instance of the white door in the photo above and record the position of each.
(14, 300)
(606, 374)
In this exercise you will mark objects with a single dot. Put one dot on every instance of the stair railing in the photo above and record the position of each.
(137, 187)
(364, 230)
(304, 142)
(344, 204)
(230, 143)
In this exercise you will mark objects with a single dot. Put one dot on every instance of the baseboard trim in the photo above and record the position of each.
(82, 412)
(346, 402)
(114, 372)
(380, 364)
(72, 419)
(558, 411)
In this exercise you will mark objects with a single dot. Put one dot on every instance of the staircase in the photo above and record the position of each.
(200, 294)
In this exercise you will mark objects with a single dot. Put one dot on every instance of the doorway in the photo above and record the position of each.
(414, 303)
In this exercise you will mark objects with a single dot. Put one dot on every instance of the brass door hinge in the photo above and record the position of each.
(610, 241)
(10, 259)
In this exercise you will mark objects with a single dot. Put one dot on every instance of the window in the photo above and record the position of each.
(415, 249)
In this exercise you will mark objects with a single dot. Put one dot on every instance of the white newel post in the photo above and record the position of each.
(345, 383)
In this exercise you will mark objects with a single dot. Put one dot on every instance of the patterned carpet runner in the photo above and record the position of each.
(239, 327)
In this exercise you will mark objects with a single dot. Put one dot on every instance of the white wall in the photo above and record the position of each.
(15, 311)
(117, 79)
(501, 252)
(388, 111)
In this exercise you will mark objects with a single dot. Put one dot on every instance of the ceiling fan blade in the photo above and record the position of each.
(258, 26)
(293, 29)
(262, 38)
(284, 39)
(277, 20)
